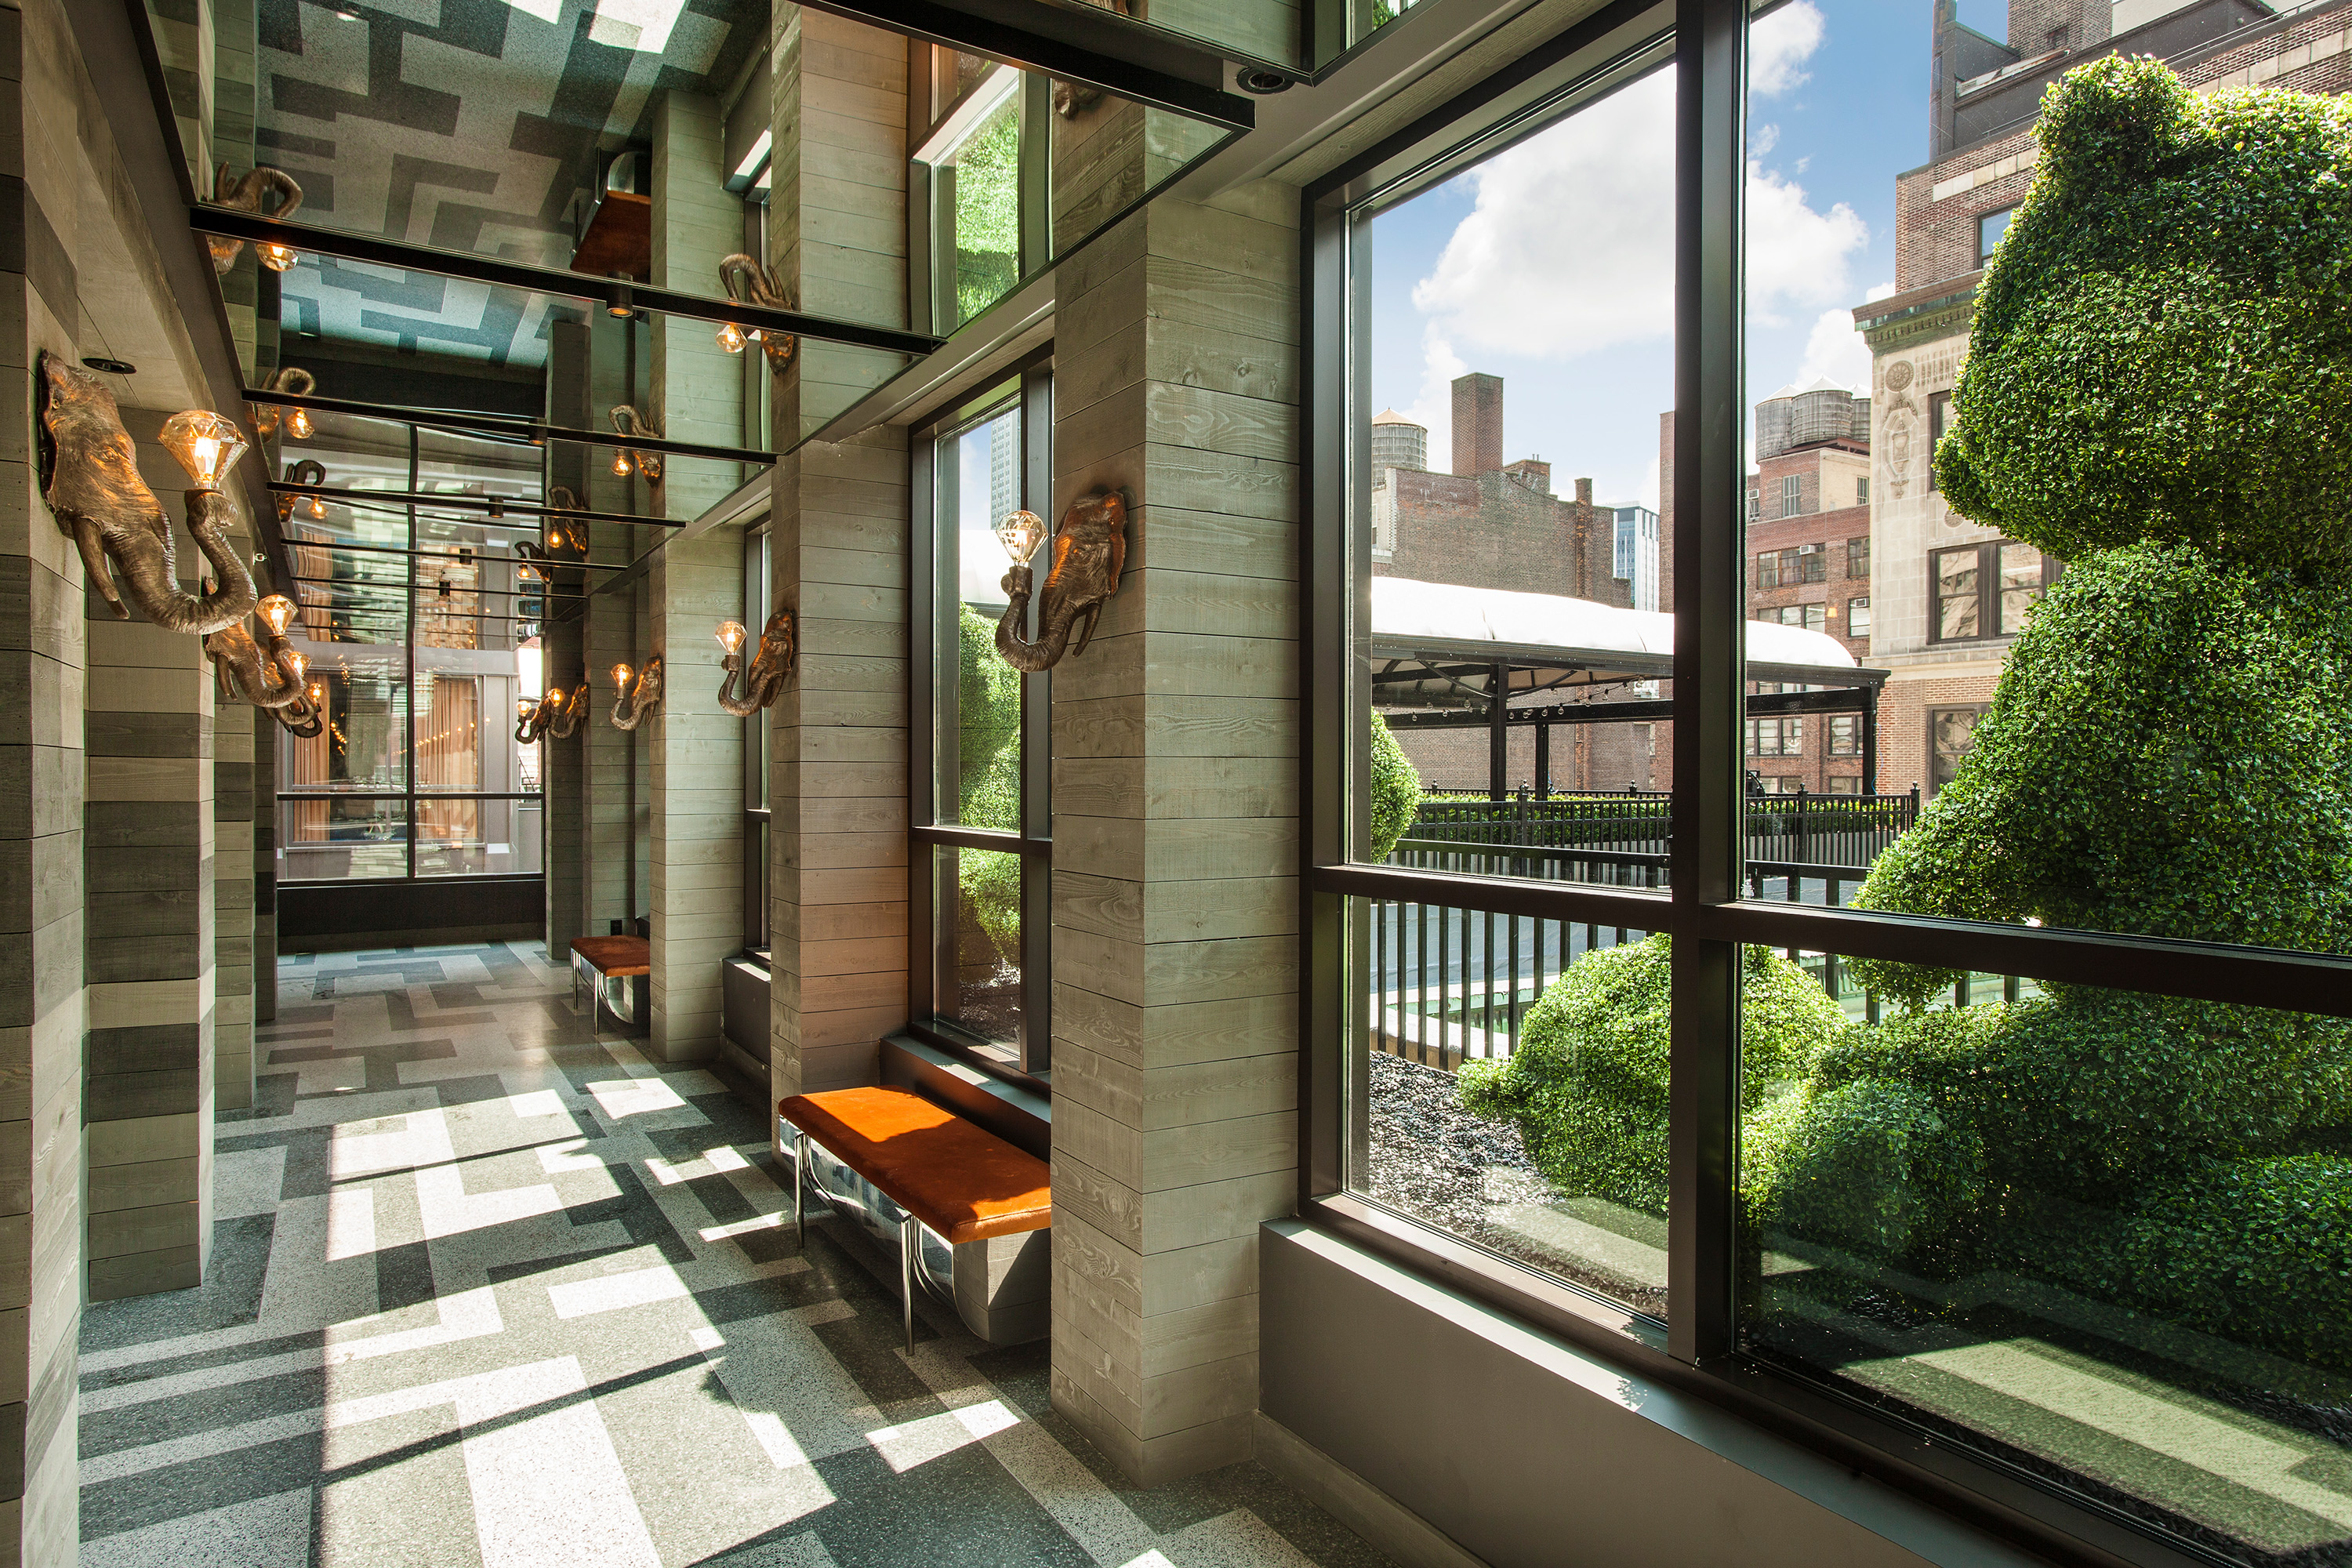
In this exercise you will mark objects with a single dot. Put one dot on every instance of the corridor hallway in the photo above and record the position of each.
(486, 1290)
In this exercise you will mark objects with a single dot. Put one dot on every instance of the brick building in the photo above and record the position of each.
(1948, 592)
(1492, 524)
(1809, 565)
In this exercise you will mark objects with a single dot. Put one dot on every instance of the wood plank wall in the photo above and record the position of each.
(837, 791)
(1175, 789)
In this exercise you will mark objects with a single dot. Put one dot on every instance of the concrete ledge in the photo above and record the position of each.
(1404, 1535)
(1508, 1442)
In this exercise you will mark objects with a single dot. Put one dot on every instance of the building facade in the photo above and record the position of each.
(1951, 595)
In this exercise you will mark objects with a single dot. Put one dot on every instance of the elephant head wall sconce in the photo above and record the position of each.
(245, 196)
(557, 713)
(637, 694)
(1089, 553)
(94, 491)
(748, 283)
(309, 471)
(771, 666)
(627, 421)
(270, 680)
(269, 417)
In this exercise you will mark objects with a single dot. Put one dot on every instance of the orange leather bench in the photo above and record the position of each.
(598, 959)
(964, 1182)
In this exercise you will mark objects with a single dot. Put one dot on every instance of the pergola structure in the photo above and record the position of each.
(1443, 656)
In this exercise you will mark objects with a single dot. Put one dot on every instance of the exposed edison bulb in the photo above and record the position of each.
(206, 445)
(619, 465)
(730, 636)
(301, 665)
(318, 509)
(276, 258)
(276, 612)
(730, 337)
(523, 706)
(297, 425)
(319, 694)
(620, 677)
(1021, 533)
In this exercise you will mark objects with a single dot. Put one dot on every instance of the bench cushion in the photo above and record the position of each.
(616, 955)
(964, 1182)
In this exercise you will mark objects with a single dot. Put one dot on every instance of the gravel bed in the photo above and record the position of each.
(1434, 1161)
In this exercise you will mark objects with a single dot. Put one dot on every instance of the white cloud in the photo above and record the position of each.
(1570, 248)
(1779, 47)
(1433, 402)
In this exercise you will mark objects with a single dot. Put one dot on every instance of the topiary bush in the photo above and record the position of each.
(2158, 348)
(989, 729)
(1588, 1084)
(2252, 1249)
(1396, 790)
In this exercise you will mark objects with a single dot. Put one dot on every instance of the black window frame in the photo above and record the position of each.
(1989, 591)
(1709, 910)
(1027, 1061)
(758, 736)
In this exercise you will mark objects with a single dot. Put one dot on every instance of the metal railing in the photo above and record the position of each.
(1848, 830)
(1445, 983)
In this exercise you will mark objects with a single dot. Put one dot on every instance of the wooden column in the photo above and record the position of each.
(837, 874)
(1176, 782)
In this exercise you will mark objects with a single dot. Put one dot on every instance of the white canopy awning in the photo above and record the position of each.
(1434, 640)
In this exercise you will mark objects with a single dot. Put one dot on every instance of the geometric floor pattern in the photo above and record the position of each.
(486, 1290)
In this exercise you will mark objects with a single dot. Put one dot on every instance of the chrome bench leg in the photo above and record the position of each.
(800, 1186)
(910, 1240)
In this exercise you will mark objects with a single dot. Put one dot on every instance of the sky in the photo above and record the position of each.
(1552, 264)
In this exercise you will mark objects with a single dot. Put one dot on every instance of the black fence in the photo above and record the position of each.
(1445, 984)
(1809, 829)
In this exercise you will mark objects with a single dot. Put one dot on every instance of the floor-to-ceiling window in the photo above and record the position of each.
(757, 592)
(982, 839)
(2001, 1147)
(420, 634)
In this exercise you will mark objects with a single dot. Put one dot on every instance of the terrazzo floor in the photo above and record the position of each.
(486, 1290)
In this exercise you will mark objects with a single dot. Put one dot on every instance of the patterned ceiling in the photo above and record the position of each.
(467, 124)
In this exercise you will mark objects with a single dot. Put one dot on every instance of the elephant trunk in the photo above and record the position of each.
(1060, 616)
(745, 705)
(156, 591)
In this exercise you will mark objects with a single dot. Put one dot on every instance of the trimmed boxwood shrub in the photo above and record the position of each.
(2256, 1250)
(989, 712)
(1396, 790)
(2158, 348)
(1588, 1084)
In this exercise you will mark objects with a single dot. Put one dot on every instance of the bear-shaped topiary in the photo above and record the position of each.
(2159, 392)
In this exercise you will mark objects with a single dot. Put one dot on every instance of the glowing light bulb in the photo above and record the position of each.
(619, 465)
(318, 694)
(621, 678)
(206, 445)
(278, 257)
(730, 337)
(522, 709)
(297, 425)
(730, 636)
(275, 612)
(301, 665)
(318, 509)
(1021, 533)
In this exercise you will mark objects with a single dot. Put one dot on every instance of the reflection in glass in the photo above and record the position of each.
(978, 942)
(362, 838)
(978, 485)
(1955, 593)
(477, 837)
(2100, 1235)
(976, 191)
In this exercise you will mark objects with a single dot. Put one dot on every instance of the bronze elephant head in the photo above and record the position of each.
(558, 714)
(271, 682)
(96, 496)
(771, 664)
(637, 696)
(1089, 553)
(749, 282)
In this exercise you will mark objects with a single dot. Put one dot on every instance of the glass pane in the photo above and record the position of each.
(1951, 731)
(364, 742)
(1956, 593)
(477, 837)
(2021, 584)
(2134, 1286)
(978, 484)
(337, 841)
(976, 201)
(1505, 711)
(978, 943)
(1509, 1087)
